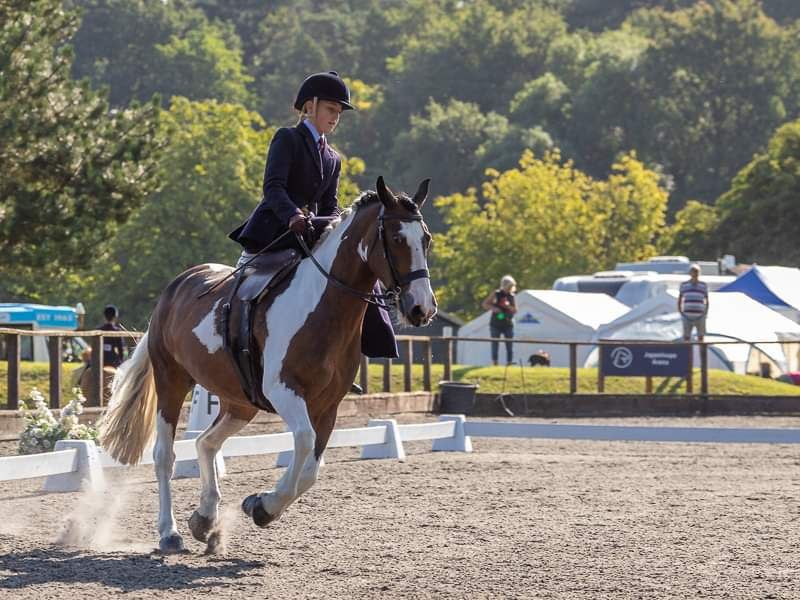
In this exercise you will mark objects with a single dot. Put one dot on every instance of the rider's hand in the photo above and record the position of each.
(298, 224)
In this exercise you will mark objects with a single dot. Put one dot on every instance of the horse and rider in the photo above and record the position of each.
(309, 327)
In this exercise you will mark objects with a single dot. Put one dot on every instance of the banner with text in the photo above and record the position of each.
(637, 360)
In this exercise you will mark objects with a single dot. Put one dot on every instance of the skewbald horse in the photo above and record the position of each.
(308, 331)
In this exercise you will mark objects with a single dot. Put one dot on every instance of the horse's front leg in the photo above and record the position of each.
(323, 426)
(268, 506)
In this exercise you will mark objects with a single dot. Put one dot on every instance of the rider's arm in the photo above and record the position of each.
(276, 176)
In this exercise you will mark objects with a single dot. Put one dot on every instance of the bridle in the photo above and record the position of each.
(393, 295)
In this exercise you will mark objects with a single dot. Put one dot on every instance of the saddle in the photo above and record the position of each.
(252, 285)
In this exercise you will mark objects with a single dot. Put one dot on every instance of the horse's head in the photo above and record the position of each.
(401, 258)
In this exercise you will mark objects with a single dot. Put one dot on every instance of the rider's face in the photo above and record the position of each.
(326, 116)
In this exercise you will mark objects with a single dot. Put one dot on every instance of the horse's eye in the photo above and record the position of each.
(397, 239)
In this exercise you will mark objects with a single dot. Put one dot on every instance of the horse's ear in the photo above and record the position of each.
(385, 194)
(422, 192)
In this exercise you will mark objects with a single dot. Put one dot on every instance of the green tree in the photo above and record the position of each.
(455, 144)
(631, 207)
(140, 47)
(760, 214)
(716, 79)
(543, 220)
(478, 53)
(694, 232)
(71, 169)
(211, 180)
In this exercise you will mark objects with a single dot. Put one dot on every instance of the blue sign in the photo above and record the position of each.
(637, 360)
(528, 318)
(44, 317)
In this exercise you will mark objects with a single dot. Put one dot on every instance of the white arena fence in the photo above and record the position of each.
(78, 464)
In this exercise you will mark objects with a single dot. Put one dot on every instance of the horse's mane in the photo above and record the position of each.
(366, 198)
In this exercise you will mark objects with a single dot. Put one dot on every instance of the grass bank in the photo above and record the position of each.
(492, 380)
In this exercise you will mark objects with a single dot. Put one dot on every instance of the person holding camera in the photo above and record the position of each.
(503, 305)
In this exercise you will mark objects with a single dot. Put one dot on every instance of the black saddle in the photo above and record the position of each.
(253, 284)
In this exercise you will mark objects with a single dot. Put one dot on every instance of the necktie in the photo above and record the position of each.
(321, 145)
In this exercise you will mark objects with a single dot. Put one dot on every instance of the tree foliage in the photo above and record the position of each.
(71, 169)
(139, 48)
(543, 220)
(759, 217)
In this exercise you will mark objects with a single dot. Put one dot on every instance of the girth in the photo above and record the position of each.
(252, 285)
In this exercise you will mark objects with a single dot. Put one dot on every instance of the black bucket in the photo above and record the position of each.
(457, 397)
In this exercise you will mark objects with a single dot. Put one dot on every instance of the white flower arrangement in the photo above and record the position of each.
(43, 430)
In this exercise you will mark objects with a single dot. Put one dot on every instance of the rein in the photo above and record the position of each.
(391, 296)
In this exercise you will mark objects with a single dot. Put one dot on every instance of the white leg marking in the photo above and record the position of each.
(206, 331)
(164, 459)
(208, 444)
(308, 475)
(292, 410)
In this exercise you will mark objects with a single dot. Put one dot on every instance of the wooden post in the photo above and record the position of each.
(407, 361)
(448, 360)
(96, 372)
(573, 368)
(704, 369)
(689, 379)
(387, 375)
(601, 379)
(648, 385)
(54, 348)
(427, 358)
(13, 348)
(364, 374)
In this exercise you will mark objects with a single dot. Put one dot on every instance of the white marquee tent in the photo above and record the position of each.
(544, 315)
(731, 316)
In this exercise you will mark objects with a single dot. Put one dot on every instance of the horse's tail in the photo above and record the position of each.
(127, 427)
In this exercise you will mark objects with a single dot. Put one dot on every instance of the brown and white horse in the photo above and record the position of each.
(309, 333)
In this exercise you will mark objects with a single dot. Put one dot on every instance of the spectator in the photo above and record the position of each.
(113, 353)
(693, 305)
(503, 306)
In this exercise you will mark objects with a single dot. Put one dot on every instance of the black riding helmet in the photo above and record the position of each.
(325, 86)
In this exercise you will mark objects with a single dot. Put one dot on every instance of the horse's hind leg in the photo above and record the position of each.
(203, 520)
(172, 385)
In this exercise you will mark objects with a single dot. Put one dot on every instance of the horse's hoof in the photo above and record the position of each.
(216, 545)
(253, 507)
(172, 544)
(200, 526)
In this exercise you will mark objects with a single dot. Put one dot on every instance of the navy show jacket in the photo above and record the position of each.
(293, 177)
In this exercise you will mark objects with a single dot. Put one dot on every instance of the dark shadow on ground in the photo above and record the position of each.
(120, 571)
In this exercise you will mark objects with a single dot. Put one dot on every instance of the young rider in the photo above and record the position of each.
(301, 181)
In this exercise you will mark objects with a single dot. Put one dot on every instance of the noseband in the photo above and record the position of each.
(391, 296)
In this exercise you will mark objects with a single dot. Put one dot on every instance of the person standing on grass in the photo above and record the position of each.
(693, 305)
(503, 305)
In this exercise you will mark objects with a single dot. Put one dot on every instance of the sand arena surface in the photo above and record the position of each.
(516, 518)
